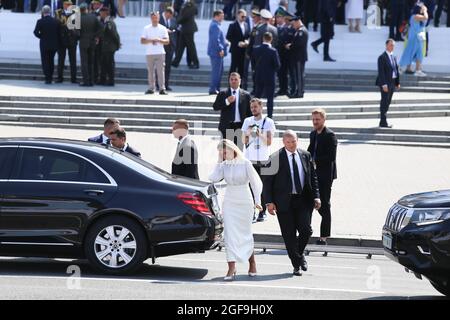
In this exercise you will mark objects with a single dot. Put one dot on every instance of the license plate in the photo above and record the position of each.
(387, 241)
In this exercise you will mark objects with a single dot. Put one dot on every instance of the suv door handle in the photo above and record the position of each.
(94, 192)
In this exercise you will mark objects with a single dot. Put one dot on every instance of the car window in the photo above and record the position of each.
(50, 165)
(6, 160)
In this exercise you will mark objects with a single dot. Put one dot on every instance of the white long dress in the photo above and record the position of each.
(354, 9)
(238, 205)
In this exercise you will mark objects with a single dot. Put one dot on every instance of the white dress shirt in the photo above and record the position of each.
(105, 139)
(300, 169)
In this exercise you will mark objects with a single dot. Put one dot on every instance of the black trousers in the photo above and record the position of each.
(97, 62)
(108, 66)
(325, 209)
(283, 72)
(186, 41)
(440, 8)
(72, 60)
(168, 66)
(297, 219)
(299, 69)
(326, 46)
(238, 62)
(397, 12)
(311, 13)
(233, 132)
(266, 89)
(386, 98)
(48, 63)
(87, 56)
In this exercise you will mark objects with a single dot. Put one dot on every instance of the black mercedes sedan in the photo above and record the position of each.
(73, 199)
(417, 235)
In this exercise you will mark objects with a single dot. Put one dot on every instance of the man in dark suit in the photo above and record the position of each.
(110, 44)
(298, 56)
(186, 20)
(170, 23)
(234, 106)
(388, 80)
(397, 14)
(185, 162)
(89, 36)
(267, 66)
(119, 141)
(291, 192)
(48, 31)
(109, 126)
(69, 41)
(328, 10)
(238, 34)
(322, 146)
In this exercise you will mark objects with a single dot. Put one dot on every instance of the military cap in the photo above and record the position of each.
(266, 14)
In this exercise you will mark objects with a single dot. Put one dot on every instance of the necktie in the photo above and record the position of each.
(108, 141)
(297, 183)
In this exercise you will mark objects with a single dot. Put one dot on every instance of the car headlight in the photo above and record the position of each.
(429, 216)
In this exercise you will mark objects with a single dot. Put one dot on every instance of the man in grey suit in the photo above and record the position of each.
(90, 32)
(185, 162)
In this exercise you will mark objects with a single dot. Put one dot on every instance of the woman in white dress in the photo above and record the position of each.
(354, 11)
(238, 205)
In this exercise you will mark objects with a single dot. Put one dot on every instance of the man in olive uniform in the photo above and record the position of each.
(256, 18)
(69, 40)
(96, 6)
(89, 34)
(110, 44)
(284, 32)
(298, 56)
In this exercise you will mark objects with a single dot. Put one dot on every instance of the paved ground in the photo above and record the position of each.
(127, 91)
(199, 276)
(370, 177)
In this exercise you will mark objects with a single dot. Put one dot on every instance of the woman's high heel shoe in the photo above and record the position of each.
(230, 278)
(252, 274)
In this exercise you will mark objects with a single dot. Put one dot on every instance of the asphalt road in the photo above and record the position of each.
(199, 276)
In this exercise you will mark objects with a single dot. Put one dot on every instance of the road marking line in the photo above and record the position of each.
(264, 263)
(201, 282)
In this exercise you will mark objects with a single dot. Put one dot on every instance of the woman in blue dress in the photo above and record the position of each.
(416, 39)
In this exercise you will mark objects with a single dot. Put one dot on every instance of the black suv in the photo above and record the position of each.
(417, 235)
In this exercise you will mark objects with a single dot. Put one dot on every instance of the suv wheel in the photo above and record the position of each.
(116, 245)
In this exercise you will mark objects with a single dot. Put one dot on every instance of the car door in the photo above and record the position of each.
(50, 195)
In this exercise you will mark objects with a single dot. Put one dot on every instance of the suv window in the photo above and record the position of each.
(6, 160)
(42, 164)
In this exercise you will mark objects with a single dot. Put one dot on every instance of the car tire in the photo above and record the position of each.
(442, 287)
(116, 245)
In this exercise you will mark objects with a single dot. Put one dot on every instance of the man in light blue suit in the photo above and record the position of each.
(217, 50)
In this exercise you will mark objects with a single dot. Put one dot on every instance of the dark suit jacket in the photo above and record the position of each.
(96, 139)
(172, 26)
(186, 18)
(267, 63)
(299, 47)
(328, 10)
(133, 151)
(235, 35)
(227, 112)
(278, 183)
(326, 154)
(185, 162)
(48, 30)
(90, 29)
(385, 72)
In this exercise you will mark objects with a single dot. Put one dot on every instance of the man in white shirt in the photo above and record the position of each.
(257, 134)
(109, 127)
(155, 37)
(119, 141)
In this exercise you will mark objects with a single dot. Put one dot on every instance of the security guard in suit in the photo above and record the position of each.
(96, 6)
(110, 44)
(69, 41)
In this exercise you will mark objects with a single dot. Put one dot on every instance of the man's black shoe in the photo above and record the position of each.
(297, 272)
(407, 71)
(59, 81)
(169, 89)
(162, 92)
(261, 217)
(74, 81)
(303, 263)
(385, 125)
(175, 65)
(109, 84)
(48, 82)
(281, 93)
(195, 66)
(314, 46)
(85, 84)
(329, 59)
(320, 242)
(149, 91)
